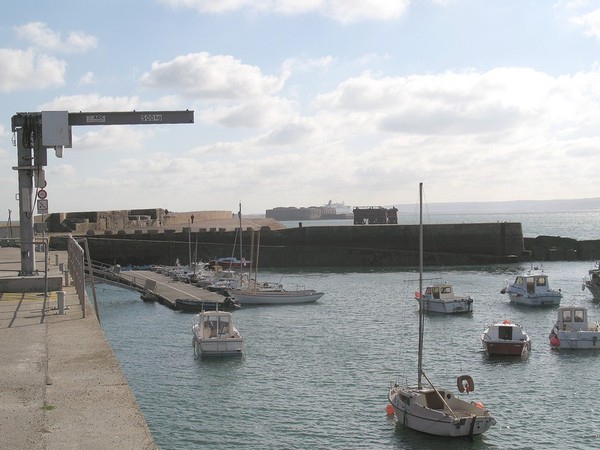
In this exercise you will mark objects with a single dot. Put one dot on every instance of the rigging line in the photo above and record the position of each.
(431, 231)
(439, 395)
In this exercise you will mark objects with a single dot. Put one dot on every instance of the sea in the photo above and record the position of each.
(316, 376)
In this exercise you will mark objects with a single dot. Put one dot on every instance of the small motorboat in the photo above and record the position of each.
(574, 330)
(215, 334)
(532, 289)
(505, 338)
(592, 282)
(440, 298)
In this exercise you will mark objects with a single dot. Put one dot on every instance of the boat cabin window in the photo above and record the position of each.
(224, 325)
(428, 290)
(505, 333)
(578, 315)
(566, 316)
(541, 281)
(530, 284)
(446, 290)
(519, 280)
(436, 292)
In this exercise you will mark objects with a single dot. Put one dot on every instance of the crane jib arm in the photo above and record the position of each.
(114, 118)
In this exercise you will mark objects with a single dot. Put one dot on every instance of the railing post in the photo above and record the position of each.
(91, 271)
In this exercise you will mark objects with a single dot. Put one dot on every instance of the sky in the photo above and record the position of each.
(300, 102)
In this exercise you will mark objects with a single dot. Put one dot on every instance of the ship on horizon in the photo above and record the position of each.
(329, 211)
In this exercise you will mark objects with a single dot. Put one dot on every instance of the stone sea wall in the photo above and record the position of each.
(327, 246)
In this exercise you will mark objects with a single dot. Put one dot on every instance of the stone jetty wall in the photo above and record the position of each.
(127, 219)
(327, 246)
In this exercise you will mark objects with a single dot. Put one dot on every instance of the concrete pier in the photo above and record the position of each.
(168, 291)
(61, 386)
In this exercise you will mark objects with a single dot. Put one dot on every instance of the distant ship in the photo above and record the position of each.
(340, 208)
(326, 212)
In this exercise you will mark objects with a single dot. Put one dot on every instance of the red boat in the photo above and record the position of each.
(505, 338)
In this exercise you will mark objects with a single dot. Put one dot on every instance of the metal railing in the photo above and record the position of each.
(75, 264)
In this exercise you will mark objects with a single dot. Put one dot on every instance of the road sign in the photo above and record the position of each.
(42, 194)
(42, 206)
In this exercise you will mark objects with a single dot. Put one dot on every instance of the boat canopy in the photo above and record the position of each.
(218, 322)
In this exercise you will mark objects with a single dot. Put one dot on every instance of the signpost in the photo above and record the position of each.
(42, 206)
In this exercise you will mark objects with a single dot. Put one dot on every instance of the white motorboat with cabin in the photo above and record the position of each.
(215, 334)
(440, 298)
(532, 289)
(592, 282)
(430, 409)
(505, 338)
(573, 329)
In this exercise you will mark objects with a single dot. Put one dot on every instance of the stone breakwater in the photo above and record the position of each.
(336, 246)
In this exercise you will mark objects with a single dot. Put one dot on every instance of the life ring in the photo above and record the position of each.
(465, 383)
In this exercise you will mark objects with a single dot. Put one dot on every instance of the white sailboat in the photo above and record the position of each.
(270, 293)
(433, 410)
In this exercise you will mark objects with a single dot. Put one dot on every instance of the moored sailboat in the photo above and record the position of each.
(270, 293)
(430, 409)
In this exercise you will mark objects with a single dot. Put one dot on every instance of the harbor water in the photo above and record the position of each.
(316, 376)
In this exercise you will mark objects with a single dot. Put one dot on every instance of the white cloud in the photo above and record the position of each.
(61, 171)
(42, 37)
(445, 103)
(348, 11)
(212, 77)
(303, 64)
(87, 78)
(258, 113)
(344, 11)
(24, 70)
(111, 138)
(590, 22)
(99, 103)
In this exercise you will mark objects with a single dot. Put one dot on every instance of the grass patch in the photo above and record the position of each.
(48, 406)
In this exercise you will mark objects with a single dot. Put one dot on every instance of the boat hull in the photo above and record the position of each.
(594, 289)
(468, 419)
(579, 340)
(503, 348)
(447, 306)
(276, 298)
(217, 346)
(535, 300)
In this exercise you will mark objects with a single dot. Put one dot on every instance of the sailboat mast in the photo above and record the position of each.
(257, 252)
(241, 247)
(421, 309)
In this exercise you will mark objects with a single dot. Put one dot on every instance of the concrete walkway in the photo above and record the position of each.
(61, 386)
